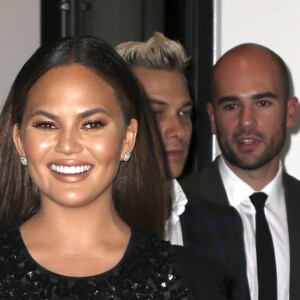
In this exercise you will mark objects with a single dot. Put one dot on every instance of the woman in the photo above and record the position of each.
(82, 173)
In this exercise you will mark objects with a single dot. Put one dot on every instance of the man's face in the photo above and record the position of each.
(250, 114)
(171, 104)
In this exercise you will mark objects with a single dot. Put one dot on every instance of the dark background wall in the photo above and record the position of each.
(189, 21)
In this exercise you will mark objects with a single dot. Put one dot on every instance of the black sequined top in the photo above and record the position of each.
(148, 270)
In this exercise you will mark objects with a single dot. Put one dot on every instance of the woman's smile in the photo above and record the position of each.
(70, 170)
(73, 131)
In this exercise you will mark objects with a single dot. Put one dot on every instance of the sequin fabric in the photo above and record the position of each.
(148, 270)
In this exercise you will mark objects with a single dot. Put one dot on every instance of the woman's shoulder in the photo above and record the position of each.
(154, 260)
(11, 249)
(150, 266)
(148, 269)
(149, 243)
(12, 256)
(10, 240)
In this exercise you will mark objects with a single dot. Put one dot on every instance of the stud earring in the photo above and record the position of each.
(23, 160)
(127, 156)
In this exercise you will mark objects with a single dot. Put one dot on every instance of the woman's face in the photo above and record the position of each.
(73, 136)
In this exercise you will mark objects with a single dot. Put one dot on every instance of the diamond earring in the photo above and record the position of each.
(127, 156)
(23, 160)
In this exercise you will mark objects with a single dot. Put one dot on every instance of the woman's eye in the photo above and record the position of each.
(44, 125)
(93, 124)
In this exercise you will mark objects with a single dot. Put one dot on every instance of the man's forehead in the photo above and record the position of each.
(164, 102)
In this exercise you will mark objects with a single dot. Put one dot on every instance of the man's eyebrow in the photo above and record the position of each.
(157, 101)
(257, 96)
(189, 102)
(227, 99)
(265, 95)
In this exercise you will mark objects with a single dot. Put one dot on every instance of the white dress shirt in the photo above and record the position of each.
(238, 193)
(173, 231)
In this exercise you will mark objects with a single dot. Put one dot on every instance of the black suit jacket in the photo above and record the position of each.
(216, 232)
(208, 183)
(204, 277)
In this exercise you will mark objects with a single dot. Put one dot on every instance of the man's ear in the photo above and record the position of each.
(211, 114)
(17, 140)
(130, 137)
(292, 112)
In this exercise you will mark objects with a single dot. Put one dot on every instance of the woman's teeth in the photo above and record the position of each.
(70, 169)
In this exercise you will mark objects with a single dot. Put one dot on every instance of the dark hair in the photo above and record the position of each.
(140, 190)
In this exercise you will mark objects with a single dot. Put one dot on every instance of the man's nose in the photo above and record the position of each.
(247, 117)
(176, 128)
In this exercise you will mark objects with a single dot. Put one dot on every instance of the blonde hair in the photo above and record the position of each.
(158, 52)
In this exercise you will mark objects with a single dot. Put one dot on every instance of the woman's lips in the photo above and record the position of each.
(70, 172)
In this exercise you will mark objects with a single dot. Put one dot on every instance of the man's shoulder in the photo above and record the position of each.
(290, 181)
(207, 183)
(202, 210)
(198, 202)
(203, 175)
(292, 192)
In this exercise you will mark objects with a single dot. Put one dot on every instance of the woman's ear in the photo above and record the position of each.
(17, 140)
(129, 140)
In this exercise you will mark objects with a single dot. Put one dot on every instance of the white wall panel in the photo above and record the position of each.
(19, 38)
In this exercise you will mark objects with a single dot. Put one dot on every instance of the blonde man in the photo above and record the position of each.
(159, 64)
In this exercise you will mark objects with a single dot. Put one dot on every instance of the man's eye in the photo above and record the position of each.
(44, 125)
(185, 114)
(157, 112)
(93, 124)
(264, 103)
(230, 106)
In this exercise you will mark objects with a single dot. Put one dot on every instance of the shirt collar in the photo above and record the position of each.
(275, 189)
(238, 190)
(179, 201)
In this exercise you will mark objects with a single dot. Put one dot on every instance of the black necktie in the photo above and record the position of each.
(266, 263)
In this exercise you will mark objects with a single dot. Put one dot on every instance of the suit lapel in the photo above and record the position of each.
(292, 198)
(214, 184)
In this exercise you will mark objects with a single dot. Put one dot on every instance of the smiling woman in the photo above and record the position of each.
(80, 140)
(76, 104)
(73, 116)
(83, 187)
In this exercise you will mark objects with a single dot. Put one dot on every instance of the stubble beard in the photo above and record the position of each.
(248, 161)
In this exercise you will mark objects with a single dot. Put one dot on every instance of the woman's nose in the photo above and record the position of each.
(69, 142)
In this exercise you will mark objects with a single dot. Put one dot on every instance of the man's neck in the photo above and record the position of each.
(257, 178)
